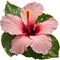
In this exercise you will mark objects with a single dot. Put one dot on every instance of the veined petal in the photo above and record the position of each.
(41, 44)
(48, 26)
(20, 44)
(35, 10)
(12, 24)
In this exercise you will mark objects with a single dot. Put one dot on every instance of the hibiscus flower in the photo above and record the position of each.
(27, 32)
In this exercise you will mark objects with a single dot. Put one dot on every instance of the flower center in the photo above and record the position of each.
(32, 31)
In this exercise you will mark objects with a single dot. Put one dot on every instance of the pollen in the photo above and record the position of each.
(27, 10)
(28, 13)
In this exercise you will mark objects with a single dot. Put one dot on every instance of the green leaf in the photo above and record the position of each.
(31, 53)
(54, 52)
(6, 42)
(43, 18)
(55, 48)
(12, 9)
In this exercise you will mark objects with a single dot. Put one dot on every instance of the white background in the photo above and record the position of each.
(51, 6)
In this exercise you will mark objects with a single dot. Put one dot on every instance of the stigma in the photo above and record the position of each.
(28, 16)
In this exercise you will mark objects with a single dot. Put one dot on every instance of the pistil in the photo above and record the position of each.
(28, 13)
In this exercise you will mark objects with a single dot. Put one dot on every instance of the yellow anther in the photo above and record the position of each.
(27, 10)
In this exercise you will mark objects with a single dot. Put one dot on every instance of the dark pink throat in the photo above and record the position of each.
(32, 30)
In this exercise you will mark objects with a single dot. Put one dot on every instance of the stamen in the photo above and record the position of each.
(28, 17)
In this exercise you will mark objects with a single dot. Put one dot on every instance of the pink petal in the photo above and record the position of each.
(20, 44)
(36, 10)
(41, 44)
(48, 26)
(12, 24)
